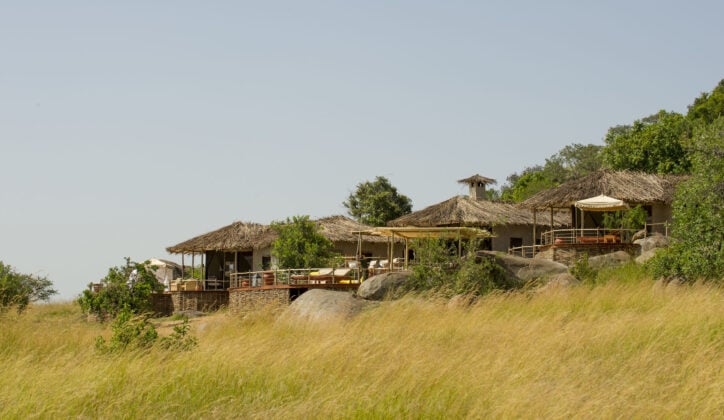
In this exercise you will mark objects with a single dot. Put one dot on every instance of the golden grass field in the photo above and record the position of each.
(632, 350)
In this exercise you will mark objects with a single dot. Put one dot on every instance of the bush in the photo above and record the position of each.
(582, 271)
(18, 290)
(440, 269)
(180, 338)
(136, 332)
(130, 332)
(125, 287)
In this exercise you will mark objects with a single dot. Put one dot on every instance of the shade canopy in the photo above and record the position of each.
(601, 203)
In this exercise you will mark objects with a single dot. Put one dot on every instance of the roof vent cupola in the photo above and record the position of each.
(477, 186)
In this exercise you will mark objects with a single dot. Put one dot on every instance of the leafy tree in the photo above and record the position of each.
(654, 144)
(128, 287)
(376, 203)
(300, 245)
(572, 162)
(698, 212)
(634, 218)
(18, 290)
(709, 106)
(527, 185)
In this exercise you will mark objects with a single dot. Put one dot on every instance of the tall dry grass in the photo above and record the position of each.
(617, 350)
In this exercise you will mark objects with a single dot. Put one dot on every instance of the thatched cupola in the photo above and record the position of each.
(477, 186)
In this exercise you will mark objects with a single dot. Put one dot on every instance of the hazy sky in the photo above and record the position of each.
(130, 126)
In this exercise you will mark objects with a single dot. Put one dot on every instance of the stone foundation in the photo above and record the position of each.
(207, 301)
(162, 304)
(242, 301)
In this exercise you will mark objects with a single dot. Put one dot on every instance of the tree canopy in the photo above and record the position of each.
(376, 203)
(573, 161)
(19, 290)
(708, 106)
(654, 144)
(300, 245)
(698, 211)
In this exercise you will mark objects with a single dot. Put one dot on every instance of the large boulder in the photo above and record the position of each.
(377, 287)
(654, 241)
(527, 269)
(645, 256)
(613, 259)
(324, 305)
(560, 281)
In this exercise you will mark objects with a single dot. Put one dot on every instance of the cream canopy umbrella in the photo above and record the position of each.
(599, 203)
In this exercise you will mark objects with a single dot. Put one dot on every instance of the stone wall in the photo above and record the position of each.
(243, 300)
(206, 301)
(162, 304)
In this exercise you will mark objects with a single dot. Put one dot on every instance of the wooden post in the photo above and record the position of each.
(183, 266)
(535, 229)
(193, 254)
(392, 253)
(460, 245)
(407, 253)
(552, 222)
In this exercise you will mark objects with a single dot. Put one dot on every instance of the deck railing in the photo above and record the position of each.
(589, 236)
(306, 276)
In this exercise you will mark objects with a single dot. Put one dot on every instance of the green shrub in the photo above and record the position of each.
(582, 271)
(128, 287)
(180, 338)
(440, 269)
(130, 332)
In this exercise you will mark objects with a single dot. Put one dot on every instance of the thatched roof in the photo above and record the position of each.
(477, 178)
(631, 187)
(342, 229)
(240, 236)
(466, 211)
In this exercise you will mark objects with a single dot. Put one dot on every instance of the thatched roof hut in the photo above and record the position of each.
(238, 236)
(466, 211)
(241, 236)
(631, 187)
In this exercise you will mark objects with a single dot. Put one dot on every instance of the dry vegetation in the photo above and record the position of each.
(617, 350)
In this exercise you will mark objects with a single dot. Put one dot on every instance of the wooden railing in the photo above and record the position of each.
(307, 276)
(589, 236)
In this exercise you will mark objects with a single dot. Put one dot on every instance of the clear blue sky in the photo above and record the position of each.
(129, 126)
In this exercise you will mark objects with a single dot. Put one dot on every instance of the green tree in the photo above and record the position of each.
(300, 245)
(572, 162)
(654, 144)
(124, 287)
(19, 290)
(698, 212)
(708, 106)
(376, 203)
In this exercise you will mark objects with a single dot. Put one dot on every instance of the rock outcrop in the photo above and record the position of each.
(527, 269)
(654, 241)
(613, 259)
(324, 305)
(560, 281)
(377, 287)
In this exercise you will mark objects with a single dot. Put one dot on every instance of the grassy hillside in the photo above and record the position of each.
(632, 350)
